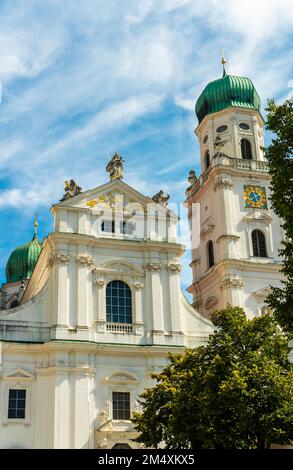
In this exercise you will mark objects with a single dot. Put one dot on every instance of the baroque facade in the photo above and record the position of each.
(88, 315)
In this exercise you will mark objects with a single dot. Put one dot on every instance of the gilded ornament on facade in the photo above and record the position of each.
(114, 201)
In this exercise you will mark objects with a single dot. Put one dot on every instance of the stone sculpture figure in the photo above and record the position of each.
(161, 198)
(71, 190)
(115, 167)
(192, 178)
(219, 145)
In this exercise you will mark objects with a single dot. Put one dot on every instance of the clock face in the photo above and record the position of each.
(255, 197)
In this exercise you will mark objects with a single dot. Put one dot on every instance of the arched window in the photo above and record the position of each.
(118, 302)
(258, 244)
(246, 152)
(210, 254)
(207, 160)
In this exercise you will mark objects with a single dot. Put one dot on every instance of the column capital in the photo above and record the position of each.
(152, 267)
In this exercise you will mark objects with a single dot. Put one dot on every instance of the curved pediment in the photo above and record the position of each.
(258, 216)
(122, 377)
(119, 267)
(262, 294)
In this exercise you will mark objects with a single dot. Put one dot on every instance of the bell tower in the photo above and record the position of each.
(236, 260)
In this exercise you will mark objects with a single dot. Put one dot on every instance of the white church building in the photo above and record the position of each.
(88, 315)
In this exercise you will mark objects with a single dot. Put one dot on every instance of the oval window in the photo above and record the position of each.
(244, 126)
(205, 139)
(222, 129)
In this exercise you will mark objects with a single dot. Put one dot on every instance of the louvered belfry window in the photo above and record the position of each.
(246, 152)
(259, 244)
(210, 254)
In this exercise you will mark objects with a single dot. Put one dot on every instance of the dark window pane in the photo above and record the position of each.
(207, 160)
(210, 254)
(11, 413)
(20, 414)
(16, 403)
(121, 405)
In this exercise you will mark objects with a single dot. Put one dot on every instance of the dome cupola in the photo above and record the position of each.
(23, 259)
(228, 91)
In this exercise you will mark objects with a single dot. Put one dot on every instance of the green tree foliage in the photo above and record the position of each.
(235, 392)
(280, 158)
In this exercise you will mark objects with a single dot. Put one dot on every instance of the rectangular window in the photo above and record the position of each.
(108, 226)
(127, 228)
(121, 405)
(16, 404)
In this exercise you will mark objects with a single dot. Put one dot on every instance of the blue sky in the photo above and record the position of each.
(81, 80)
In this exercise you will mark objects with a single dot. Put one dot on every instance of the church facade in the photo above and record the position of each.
(88, 315)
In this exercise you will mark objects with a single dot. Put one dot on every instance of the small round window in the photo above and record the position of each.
(222, 129)
(244, 126)
(205, 139)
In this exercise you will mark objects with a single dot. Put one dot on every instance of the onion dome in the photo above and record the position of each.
(23, 259)
(225, 92)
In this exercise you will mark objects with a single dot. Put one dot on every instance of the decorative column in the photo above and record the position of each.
(100, 316)
(235, 139)
(224, 185)
(59, 263)
(61, 410)
(255, 138)
(41, 414)
(232, 290)
(174, 270)
(84, 389)
(84, 262)
(138, 320)
(154, 283)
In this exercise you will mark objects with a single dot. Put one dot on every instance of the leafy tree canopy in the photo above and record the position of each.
(280, 157)
(235, 392)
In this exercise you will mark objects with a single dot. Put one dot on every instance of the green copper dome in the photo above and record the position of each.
(225, 92)
(22, 260)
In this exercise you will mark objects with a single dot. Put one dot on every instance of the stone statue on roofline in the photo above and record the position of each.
(115, 167)
(161, 198)
(192, 178)
(71, 190)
